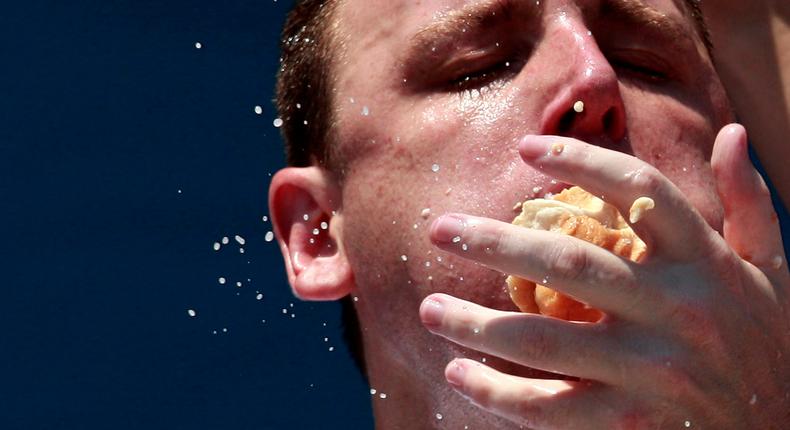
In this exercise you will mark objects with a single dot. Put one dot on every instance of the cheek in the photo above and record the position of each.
(678, 141)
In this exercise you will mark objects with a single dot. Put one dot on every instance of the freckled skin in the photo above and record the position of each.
(389, 153)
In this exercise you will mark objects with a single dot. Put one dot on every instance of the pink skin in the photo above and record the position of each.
(415, 120)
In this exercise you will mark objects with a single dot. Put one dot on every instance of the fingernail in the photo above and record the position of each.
(448, 229)
(431, 312)
(533, 146)
(455, 373)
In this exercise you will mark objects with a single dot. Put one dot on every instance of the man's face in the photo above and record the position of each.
(432, 98)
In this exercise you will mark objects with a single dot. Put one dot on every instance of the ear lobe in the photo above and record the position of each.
(303, 202)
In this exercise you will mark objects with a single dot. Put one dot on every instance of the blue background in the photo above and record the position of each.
(107, 111)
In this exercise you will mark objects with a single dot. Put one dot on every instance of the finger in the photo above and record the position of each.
(751, 226)
(621, 179)
(554, 345)
(537, 403)
(577, 268)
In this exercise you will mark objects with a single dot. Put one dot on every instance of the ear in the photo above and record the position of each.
(304, 203)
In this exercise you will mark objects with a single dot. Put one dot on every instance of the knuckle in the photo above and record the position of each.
(670, 373)
(569, 261)
(648, 182)
(693, 319)
(482, 396)
(535, 342)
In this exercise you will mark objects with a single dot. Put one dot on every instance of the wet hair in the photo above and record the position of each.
(304, 100)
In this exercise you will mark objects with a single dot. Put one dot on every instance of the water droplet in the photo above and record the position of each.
(225, 240)
(425, 213)
(324, 225)
(331, 348)
(465, 247)
(238, 283)
(240, 240)
(264, 218)
(278, 122)
(753, 400)
(687, 423)
(241, 250)
(382, 395)
(285, 311)
(259, 296)
(476, 330)
(216, 246)
(224, 329)
(221, 280)
(191, 312)
(269, 236)
(198, 45)
(456, 239)
(258, 110)
(483, 359)
(404, 258)
(365, 111)
(306, 217)
(435, 168)
(316, 231)
(372, 391)
(439, 416)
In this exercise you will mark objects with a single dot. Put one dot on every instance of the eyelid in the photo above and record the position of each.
(641, 59)
(471, 61)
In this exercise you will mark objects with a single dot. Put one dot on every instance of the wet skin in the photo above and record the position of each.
(652, 108)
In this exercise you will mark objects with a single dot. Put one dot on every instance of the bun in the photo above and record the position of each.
(577, 213)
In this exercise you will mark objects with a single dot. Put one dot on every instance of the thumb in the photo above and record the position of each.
(751, 226)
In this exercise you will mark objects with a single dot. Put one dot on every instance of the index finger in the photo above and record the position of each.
(621, 179)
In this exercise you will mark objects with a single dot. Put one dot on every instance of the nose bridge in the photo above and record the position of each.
(587, 104)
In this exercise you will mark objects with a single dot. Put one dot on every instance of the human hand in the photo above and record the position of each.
(696, 335)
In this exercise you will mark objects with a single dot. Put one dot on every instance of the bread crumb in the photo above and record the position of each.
(557, 148)
(640, 208)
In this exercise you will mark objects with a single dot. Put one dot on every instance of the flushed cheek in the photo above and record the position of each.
(678, 142)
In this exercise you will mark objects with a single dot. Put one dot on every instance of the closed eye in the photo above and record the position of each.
(482, 76)
(641, 66)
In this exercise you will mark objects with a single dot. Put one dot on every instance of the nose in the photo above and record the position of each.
(587, 103)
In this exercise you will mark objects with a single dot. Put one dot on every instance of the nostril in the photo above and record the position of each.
(608, 121)
(566, 122)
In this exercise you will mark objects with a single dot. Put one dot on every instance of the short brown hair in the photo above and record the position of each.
(303, 94)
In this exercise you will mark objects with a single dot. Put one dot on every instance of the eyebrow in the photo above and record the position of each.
(489, 13)
(474, 16)
(637, 12)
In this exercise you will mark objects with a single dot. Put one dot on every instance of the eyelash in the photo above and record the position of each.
(482, 77)
(642, 70)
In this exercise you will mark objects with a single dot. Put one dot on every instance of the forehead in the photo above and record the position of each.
(361, 19)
